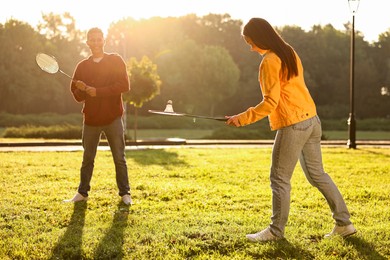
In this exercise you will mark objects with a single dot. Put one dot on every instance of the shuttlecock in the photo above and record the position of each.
(169, 107)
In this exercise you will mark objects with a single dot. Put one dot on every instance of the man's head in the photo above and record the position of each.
(95, 41)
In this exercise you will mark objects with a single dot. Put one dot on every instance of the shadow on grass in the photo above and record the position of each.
(69, 245)
(283, 249)
(111, 245)
(375, 152)
(160, 157)
(366, 250)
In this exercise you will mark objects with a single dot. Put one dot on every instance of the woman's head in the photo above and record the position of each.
(259, 33)
(262, 34)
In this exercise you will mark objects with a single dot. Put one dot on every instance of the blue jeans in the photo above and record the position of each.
(90, 140)
(301, 141)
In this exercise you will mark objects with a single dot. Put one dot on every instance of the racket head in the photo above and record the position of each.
(165, 113)
(47, 63)
(186, 115)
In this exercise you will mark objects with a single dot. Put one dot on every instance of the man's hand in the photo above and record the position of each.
(91, 91)
(84, 87)
(81, 85)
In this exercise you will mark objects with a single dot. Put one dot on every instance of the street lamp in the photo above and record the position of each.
(353, 6)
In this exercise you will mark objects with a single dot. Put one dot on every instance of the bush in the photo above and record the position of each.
(374, 124)
(69, 126)
(47, 132)
(334, 111)
(45, 119)
(371, 124)
(170, 122)
(241, 134)
(334, 124)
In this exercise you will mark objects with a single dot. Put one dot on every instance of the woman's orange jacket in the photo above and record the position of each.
(285, 102)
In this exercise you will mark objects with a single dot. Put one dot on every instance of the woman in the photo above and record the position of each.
(292, 112)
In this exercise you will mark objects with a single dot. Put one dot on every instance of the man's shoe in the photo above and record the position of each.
(127, 199)
(343, 231)
(263, 236)
(78, 197)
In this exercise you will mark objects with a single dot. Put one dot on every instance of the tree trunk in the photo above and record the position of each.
(135, 123)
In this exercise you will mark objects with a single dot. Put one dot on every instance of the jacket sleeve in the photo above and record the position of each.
(269, 80)
(78, 95)
(120, 83)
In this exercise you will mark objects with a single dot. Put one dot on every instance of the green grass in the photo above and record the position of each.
(201, 133)
(170, 133)
(197, 133)
(189, 204)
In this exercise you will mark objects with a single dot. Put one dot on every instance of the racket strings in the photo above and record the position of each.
(47, 63)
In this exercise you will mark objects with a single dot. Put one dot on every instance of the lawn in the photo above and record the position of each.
(190, 203)
(201, 133)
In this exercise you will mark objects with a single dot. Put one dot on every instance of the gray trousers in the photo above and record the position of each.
(301, 141)
(115, 137)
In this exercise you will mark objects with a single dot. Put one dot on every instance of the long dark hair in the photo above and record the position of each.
(266, 37)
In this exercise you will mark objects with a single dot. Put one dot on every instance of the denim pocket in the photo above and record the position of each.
(318, 119)
(304, 125)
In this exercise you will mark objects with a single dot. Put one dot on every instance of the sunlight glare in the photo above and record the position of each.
(302, 13)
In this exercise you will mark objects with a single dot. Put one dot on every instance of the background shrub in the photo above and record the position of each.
(48, 132)
(44, 119)
(50, 125)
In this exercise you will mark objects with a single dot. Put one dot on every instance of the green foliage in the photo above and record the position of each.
(240, 134)
(144, 81)
(334, 111)
(164, 122)
(189, 204)
(372, 124)
(221, 73)
(40, 125)
(197, 78)
(24, 88)
(199, 60)
(47, 132)
(44, 119)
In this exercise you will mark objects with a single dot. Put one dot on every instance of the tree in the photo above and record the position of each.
(196, 78)
(20, 84)
(144, 83)
(24, 88)
(192, 54)
(63, 40)
(219, 78)
(379, 52)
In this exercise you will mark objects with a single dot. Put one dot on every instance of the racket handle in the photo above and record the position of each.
(66, 74)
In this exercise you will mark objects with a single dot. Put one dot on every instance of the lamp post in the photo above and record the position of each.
(353, 6)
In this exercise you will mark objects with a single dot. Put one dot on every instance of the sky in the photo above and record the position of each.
(371, 18)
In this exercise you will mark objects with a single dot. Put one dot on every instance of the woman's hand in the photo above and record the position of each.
(233, 120)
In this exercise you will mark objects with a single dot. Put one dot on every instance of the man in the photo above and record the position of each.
(99, 82)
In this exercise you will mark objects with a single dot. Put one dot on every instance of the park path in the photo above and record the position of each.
(169, 143)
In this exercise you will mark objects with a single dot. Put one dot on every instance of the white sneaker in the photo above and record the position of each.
(343, 231)
(263, 236)
(127, 199)
(78, 197)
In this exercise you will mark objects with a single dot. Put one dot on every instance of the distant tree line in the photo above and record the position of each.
(203, 64)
